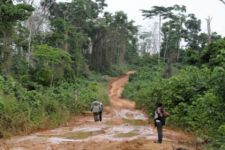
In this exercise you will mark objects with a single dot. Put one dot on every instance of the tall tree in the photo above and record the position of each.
(112, 37)
(36, 23)
(49, 64)
(193, 27)
(208, 20)
(161, 12)
(10, 13)
(172, 31)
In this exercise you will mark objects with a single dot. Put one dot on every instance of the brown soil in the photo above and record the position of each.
(123, 128)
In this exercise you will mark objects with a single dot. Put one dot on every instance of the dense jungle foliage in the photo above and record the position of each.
(54, 58)
(189, 81)
(194, 95)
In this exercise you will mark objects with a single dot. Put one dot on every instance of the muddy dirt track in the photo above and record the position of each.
(123, 128)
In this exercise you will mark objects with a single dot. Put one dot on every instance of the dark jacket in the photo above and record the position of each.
(159, 115)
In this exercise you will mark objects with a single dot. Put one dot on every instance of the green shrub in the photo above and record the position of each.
(24, 111)
(117, 70)
(194, 97)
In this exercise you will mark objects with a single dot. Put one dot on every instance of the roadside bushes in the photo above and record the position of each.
(23, 111)
(46, 92)
(117, 69)
(194, 97)
(142, 86)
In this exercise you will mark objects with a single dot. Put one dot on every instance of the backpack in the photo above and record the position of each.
(100, 107)
(95, 108)
(162, 117)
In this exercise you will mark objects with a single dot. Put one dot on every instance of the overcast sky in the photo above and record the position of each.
(201, 8)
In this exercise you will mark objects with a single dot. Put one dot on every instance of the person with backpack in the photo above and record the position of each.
(160, 118)
(95, 108)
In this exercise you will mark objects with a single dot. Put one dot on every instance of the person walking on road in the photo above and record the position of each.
(159, 118)
(95, 108)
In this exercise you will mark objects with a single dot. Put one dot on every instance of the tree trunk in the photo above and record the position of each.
(208, 20)
(5, 53)
(159, 39)
(164, 55)
(66, 40)
(29, 46)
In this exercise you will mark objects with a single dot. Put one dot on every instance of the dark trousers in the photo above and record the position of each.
(100, 115)
(159, 126)
(96, 116)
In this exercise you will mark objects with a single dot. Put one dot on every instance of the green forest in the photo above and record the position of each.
(53, 57)
(58, 57)
(189, 81)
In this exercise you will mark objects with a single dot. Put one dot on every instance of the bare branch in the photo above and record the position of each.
(223, 1)
(208, 20)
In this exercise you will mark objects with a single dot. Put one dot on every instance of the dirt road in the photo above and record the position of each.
(122, 128)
